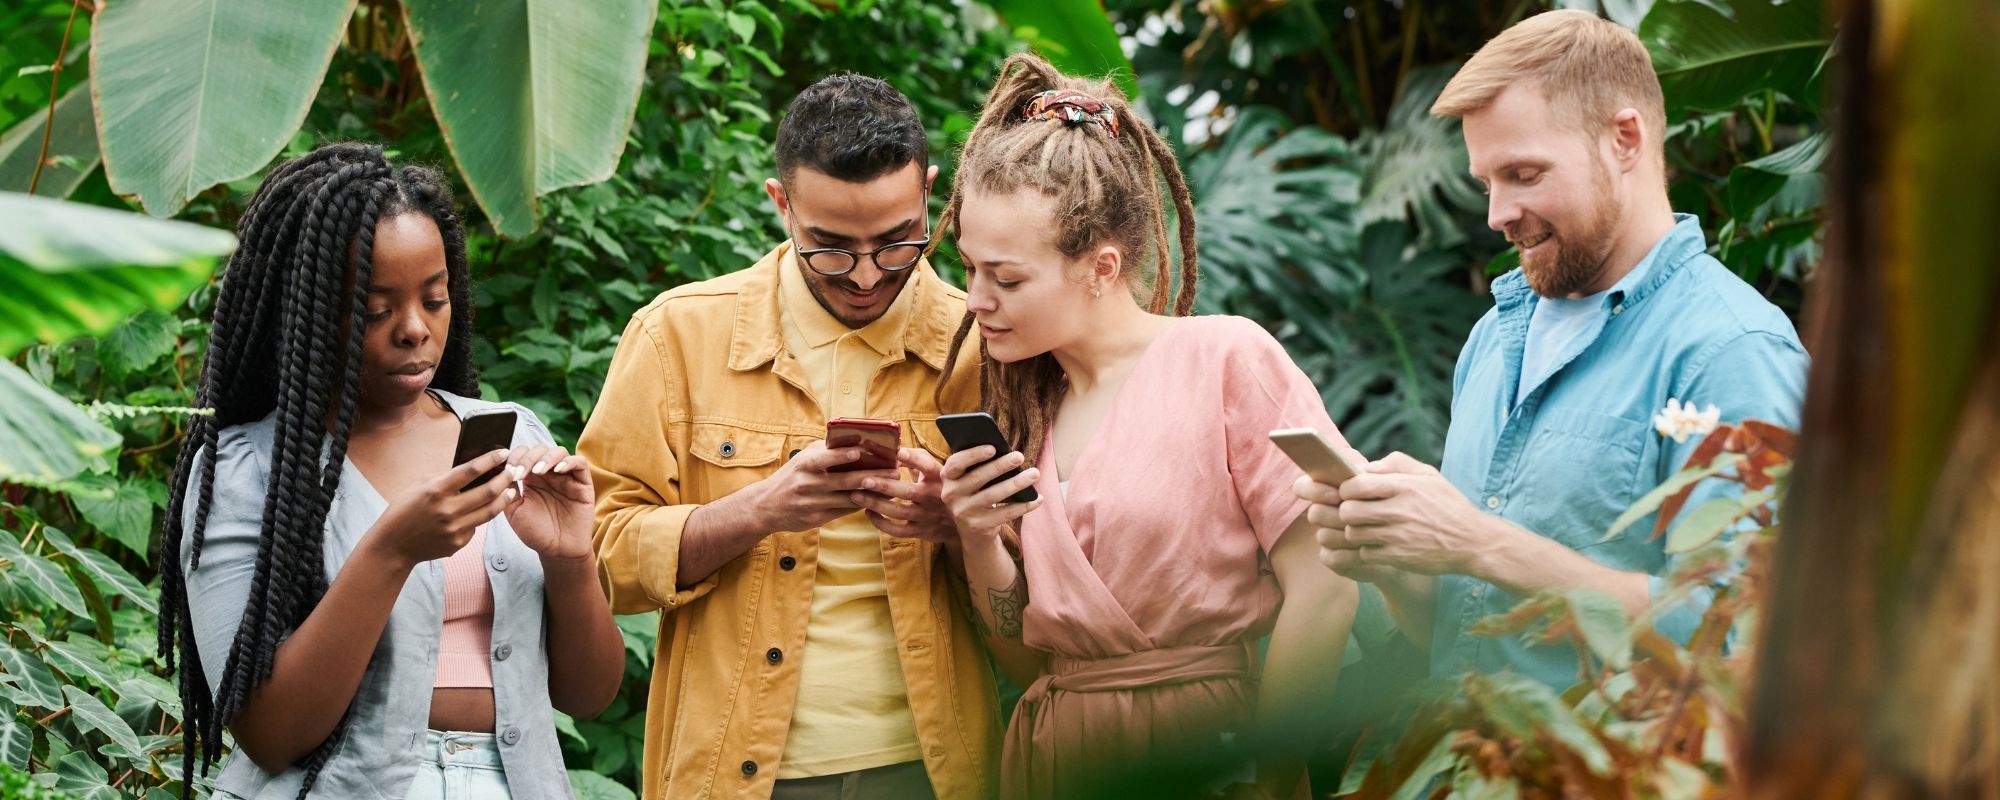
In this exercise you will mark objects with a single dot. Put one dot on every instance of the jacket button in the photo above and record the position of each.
(794, 454)
(775, 656)
(502, 652)
(500, 563)
(787, 563)
(728, 449)
(511, 735)
(749, 768)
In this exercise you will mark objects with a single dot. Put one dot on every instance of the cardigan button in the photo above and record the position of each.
(510, 736)
(502, 652)
(499, 563)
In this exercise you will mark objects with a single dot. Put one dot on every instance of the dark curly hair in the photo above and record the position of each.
(285, 343)
(851, 127)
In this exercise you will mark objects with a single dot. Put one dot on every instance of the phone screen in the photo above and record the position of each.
(482, 433)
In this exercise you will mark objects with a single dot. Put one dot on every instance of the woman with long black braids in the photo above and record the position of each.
(364, 627)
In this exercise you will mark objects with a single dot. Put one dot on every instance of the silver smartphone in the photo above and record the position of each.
(1314, 454)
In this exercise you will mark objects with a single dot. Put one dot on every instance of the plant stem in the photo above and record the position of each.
(55, 85)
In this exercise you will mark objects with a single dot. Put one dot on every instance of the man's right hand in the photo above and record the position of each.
(803, 495)
(1349, 560)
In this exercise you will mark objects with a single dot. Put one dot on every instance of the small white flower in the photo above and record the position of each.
(1679, 422)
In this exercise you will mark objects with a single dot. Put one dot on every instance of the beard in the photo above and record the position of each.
(1574, 259)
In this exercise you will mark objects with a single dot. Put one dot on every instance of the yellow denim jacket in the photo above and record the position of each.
(702, 400)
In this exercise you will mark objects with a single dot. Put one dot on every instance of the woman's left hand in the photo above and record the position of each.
(552, 513)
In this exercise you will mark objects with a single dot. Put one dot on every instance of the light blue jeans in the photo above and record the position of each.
(460, 766)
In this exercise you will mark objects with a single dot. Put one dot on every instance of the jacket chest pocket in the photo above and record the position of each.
(730, 457)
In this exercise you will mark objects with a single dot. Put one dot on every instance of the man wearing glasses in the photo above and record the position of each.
(809, 645)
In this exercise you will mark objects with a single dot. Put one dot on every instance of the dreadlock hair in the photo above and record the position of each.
(1104, 177)
(286, 338)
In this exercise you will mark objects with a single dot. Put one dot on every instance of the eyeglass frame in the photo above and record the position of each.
(853, 257)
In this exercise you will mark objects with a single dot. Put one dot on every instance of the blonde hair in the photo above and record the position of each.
(1103, 173)
(1588, 68)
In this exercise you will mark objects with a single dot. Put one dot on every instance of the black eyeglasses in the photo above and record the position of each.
(892, 257)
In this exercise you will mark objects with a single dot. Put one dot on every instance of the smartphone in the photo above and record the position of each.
(967, 431)
(877, 438)
(482, 433)
(1315, 455)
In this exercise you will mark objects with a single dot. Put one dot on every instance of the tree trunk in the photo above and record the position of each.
(1878, 672)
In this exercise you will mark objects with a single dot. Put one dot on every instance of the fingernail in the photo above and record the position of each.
(510, 494)
(562, 467)
(541, 467)
(1032, 473)
(518, 472)
(870, 484)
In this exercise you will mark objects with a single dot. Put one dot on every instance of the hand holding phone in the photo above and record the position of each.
(482, 433)
(966, 431)
(877, 438)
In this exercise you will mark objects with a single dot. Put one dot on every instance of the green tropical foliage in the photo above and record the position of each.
(1332, 208)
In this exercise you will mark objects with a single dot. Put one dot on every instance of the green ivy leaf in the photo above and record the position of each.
(91, 713)
(592, 786)
(112, 580)
(53, 583)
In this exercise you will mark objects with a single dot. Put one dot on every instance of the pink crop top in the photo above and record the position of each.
(464, 645)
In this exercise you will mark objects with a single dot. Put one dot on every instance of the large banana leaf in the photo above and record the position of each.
(192, 93)
(1074, 35)
(68, 269)
(1708, 60)
(72, 148)
(45, 438)
(531, 96)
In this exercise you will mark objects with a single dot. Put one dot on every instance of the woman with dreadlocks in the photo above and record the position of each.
(365, 623)
(1165, 540)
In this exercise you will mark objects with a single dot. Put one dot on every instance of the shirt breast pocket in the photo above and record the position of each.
(1578, 473)
(730, 457)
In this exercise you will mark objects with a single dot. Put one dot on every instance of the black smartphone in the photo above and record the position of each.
(967, 431)
(482, 433)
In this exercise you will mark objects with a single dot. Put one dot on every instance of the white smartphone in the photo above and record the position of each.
(1315, 455)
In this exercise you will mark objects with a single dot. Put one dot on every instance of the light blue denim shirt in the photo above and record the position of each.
(389, 716)
(1580, 447)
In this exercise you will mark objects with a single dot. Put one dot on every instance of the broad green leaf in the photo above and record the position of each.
(192, 93)
(1524, 707)
(1468, 785)
(50, 580)
(1706, 60)
(119, 508)
(153, 688)
(1624, 12)
(80, 777)
(17, 737)
(1440, 759)
(92, 713)
(1074, 35)
(1754, 183)
(69, 269)
(112, 580)
(138, 342)
(78, 665)
(566, 731)
(1651, 501)
(44, 438)
(592, 786)
(37, 687)
(1605, 628)
(72, 148)
(1703, 524)
(531, 97)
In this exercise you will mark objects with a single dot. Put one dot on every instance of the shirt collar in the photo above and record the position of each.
(820, 328)
(1681, 243)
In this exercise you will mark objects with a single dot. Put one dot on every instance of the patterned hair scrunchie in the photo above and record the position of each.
(1072, 108)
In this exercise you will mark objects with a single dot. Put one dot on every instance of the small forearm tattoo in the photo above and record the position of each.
(1006, 604)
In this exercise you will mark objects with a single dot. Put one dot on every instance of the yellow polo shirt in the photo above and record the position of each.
(853, 711)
